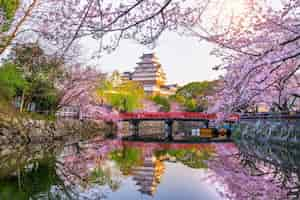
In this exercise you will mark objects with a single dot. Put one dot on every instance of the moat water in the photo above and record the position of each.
(93, 169)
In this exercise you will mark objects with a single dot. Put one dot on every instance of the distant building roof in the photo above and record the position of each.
(171, 86)
(151, 75)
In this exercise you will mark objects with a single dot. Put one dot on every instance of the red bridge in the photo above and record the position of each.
(134, 119)
(169, 117)
(160, 116)
(188, 116)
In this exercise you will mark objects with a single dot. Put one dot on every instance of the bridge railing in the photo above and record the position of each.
(165, 115)
(173, 115)
(271, 115)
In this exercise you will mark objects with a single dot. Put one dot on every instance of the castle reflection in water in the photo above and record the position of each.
(115, 169)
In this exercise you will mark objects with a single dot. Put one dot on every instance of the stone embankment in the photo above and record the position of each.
(276, 131)
(14, 131)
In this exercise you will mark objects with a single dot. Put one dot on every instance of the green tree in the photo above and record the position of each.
(125, 96)
(44, 94)
(11, 81)
(41, 73)
(9, 8)
(191, 105)
(163, 102)
(194, 95)
(195, 89)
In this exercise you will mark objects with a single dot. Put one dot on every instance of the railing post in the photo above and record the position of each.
(206, 122)
(134, 128)
(169, 129)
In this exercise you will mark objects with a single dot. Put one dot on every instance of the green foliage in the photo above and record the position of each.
(32, 76)
(194, 89)
(123, 102)
(103, 176)
(178, 98)
(44, 94)
(193, 95)
(38, 116)
(31, 58)
(42, 175)
(41, 72)
(127, 158)
(193, 158)
(163, 102)
(191, 105)
(11, 80)
(9, 8)
(125, 96)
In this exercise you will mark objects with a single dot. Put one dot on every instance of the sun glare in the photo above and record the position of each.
(234, 7)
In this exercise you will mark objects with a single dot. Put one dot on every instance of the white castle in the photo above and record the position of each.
(150, 74)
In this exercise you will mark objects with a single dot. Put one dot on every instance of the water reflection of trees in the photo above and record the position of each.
(102, 176)
(240, 178)
(35, 172)
(85, 170)
(91, 169)
(127, 158)
(27, 185)
(279, 161)
(138, 160)
(29, 172)
(193, 158)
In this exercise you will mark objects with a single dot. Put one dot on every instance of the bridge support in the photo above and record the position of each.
(206, 123)
(169, 129)
(134, 128)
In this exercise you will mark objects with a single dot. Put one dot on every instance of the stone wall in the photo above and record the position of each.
(28, 130)
(275, 130)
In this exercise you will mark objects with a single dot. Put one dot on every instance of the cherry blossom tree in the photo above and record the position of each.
(258, 41)
(64, 21)
(13, 15)
(261, 59)
(78, 88)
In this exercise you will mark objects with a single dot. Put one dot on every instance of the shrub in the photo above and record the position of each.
(163, 102)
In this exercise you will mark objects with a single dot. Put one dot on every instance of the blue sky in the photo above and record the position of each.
(184, 59)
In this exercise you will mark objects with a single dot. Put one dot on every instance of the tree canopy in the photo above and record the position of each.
(125, 96)
(34, 75)
(11, 80)
(163, 102)
(257, 41)
(9, 8)
(194, 96)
